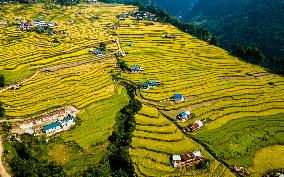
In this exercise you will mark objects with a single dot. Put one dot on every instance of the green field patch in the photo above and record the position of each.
(97, 121)
(237, 141)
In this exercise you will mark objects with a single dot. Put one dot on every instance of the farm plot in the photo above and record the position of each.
(156, 139)
(78, 86)
(22, 52)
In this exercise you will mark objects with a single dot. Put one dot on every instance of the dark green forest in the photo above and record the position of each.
(246, 23)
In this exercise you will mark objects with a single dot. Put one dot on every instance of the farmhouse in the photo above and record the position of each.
(98, 52)
(129, 44)
(187, 160)
(53, 127)
(178, 98)
(184, 116)
(135, 69)
(169, 36)
(195, 126)
(60, 125)
(3, 23)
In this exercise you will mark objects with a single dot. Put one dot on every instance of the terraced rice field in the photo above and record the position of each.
(22, 52)
(78, 86)
(156, 139)
(220, 88)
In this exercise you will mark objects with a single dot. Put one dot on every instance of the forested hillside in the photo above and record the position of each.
(251, 23)
(178, 8)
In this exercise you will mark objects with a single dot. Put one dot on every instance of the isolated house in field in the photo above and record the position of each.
(15, 87)
(187, 160)
(136, 69)
(3, 23)
(168, 36)
(184, 116)
(178, 98)
(98, 52)
(195, 126)
(148, 85)
(144, 86)
(129, 44)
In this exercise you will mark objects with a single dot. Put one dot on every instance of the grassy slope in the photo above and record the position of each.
(86, 144)
(237, 141)
(97, 121)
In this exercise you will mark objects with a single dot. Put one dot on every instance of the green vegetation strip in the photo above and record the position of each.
(237, 141)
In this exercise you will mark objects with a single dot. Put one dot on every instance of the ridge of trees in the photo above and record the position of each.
(117, 161)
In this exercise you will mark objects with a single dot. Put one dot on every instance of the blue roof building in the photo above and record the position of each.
(135, 67)
(51, 127)
(98, 52)
(178, 97)
(183, 114)
(153, 83)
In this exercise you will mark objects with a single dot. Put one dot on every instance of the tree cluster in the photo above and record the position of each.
(30, 159)
(251, 54)
(2, 80)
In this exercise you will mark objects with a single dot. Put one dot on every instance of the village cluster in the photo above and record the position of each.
(39, 25)
(49, 123)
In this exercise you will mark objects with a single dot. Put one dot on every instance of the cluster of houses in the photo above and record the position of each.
(123, 16)
(144, 16)
(187, 160)
(50, 123)
(39, 24)
(150, 84)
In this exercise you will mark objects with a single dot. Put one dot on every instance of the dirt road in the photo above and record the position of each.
(3, 172)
